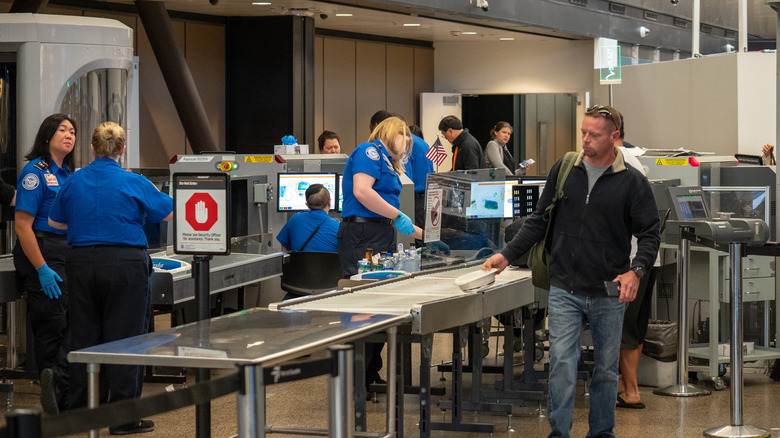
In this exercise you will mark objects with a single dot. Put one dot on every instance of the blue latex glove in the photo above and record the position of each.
(440, 246)
(404, 224)
(49, 279)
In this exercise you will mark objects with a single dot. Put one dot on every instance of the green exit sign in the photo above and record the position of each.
(610, 71)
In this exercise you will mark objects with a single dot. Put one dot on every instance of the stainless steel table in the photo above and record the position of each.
(259, 337)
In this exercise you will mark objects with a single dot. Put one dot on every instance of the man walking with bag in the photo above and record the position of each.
(602, 204)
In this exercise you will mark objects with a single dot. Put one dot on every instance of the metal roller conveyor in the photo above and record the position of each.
(226, 272)
(432, 298)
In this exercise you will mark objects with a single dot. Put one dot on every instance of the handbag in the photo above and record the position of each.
(539, 254)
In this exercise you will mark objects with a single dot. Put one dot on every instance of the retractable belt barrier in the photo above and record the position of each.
(29, 423)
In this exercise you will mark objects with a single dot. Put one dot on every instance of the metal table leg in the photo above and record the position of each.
(251, 403)
(93, 390)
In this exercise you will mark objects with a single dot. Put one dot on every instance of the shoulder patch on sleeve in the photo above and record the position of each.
(372, 153)
(30, 181)
(41, 165)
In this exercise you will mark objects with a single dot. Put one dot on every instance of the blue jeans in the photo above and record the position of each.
(568, 314)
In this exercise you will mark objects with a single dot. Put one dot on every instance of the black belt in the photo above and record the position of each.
(49, 234)
(368, 220)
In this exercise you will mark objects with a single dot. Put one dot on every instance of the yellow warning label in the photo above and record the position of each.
(258, 159)
(671, 162)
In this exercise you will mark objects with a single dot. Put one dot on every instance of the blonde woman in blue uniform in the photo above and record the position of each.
(40, 251)
(372, 207)
(103, 207)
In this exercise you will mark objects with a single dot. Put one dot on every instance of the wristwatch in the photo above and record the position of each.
(639, 271)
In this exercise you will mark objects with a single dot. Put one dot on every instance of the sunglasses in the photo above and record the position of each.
(603, 111)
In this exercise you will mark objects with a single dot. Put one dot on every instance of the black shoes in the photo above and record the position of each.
(140, 426)
(48, 394)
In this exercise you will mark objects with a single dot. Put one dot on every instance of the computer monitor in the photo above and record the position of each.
(524, 198)
(341, 193)
(291, 189)
(689, 203)
(487, 200)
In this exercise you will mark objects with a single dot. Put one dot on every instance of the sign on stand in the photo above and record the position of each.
(433, 215)
(200, 216)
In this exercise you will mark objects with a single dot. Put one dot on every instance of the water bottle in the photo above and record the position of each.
(400, 260)
(418, 260)
(409, 264)
(400, 248)
(387, 262)
(363, 266)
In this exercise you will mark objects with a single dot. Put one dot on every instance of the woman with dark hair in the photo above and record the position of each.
(103, 207)
(40, 251)
(329, 143)
(497, 154)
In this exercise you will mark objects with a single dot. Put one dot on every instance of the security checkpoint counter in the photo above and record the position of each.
(255, 339)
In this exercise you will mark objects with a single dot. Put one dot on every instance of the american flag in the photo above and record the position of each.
(436, 152)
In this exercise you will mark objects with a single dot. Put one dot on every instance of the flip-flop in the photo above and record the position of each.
(623, 404)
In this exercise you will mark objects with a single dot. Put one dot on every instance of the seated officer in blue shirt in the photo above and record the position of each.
(312, 230)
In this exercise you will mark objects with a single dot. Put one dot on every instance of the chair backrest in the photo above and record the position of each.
(311, 272)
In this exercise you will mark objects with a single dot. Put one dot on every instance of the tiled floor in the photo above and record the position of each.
(304, 404)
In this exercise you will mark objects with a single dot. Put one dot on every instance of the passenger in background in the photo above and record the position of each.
(466, 152)
(418, 166)
(329, 143)
(497, 153)
(103, 208)
(40, 252)
(371, 205)
(7, 194)
(768, 155)
(637, 314)
(311, 230)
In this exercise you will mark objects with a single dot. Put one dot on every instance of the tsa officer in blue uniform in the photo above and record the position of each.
(40, 251)
(371, 189)
(371, 206)
(103, 207)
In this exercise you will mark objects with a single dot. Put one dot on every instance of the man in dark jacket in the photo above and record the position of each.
(466, 151)
(605, 202)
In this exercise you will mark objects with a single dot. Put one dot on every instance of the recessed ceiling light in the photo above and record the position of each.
(343, 15)
(506, 39)
(261, 3)
(411, 24)
(468, 33)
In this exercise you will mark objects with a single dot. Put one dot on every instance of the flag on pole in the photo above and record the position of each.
(436, 152)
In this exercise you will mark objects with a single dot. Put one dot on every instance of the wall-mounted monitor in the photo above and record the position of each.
(524, 198)
(291, 189)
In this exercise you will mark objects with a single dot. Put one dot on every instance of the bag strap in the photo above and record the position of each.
(312, 235)
(567, 163)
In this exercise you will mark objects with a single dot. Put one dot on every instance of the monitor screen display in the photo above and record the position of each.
(291, 189)
(341, 193)
(692, 207)
(488, 199)
(524, 199)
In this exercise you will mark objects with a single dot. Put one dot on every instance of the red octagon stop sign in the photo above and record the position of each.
(207, 212)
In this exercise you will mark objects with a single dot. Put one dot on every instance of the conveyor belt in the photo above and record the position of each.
(432, 298)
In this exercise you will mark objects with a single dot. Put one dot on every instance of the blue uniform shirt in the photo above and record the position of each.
(418, 165)
(371, 159)
(36, 188)
(300, 226)
(103, 204)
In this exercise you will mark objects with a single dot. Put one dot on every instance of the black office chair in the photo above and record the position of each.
(309, 273)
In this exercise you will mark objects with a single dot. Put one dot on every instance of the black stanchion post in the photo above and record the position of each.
(200, 273)
(23, 423)
(682, 388)
(736, 429)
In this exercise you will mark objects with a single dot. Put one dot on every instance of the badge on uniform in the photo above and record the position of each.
(51, 180)
(30, 181)
(372, 153)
